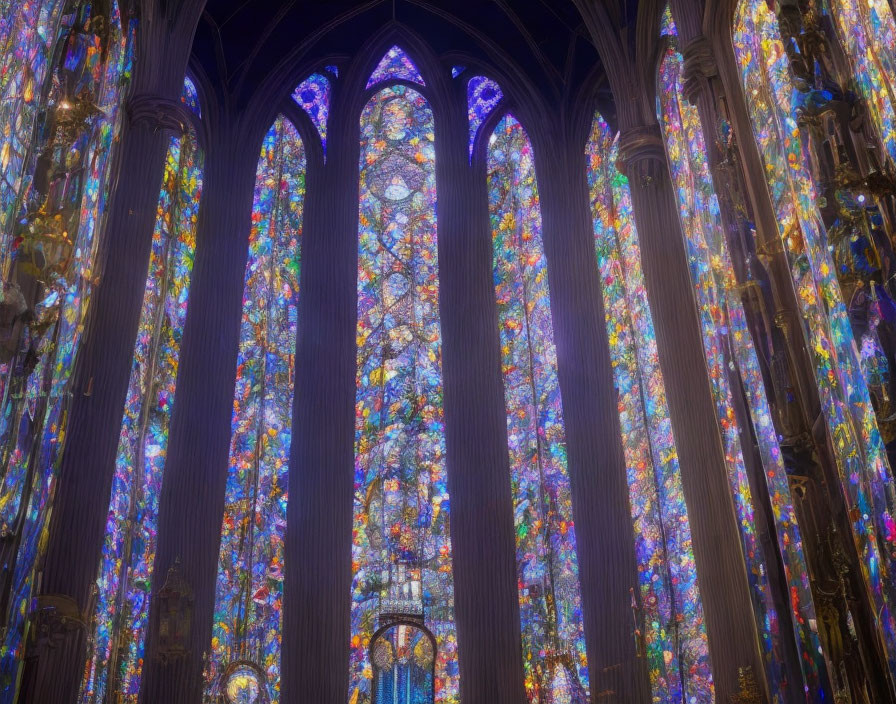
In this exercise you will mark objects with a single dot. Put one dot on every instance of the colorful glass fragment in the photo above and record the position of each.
(190, 97)
(554, 655)
(401, 545)
(866, 477)
(483, 96)
(124, 582)
(313, 96)
(249, 588)
(395, 65)
(674, 638)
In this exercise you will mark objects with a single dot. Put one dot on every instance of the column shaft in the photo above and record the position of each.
(482, 526)
(724, 587)
(601, 507)
(317, 591)
(192, 498)
(53, 674)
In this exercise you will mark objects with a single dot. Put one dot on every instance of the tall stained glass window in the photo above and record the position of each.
(56, 233)
(553, 636)
(728, 345)
(27, 37)
(867, 30)
(124, 584)
(401, 555)
(246, 635)
(866, 476)
(673, 636)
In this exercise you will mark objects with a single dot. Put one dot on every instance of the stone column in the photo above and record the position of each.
(482, 524)
(55, 666)
(713, 84)
(318, 571)
(192, 498)
(602, 511)
(700, 79)
(733, 640)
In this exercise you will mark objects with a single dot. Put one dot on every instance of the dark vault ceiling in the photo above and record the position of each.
(240, 42)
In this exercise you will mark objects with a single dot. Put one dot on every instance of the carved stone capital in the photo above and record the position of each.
(699, 66)
(642, 155)
(160, 113)
(55, 617)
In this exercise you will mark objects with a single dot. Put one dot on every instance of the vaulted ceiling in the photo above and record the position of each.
(239, 42)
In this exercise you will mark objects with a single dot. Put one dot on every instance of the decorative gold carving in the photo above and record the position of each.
(174, 614)
(748, 688)
(54, 617)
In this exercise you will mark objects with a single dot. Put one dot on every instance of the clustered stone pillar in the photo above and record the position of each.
(318, 569)
(482, 528)
(601, 506)
(700, 77)
(56, 665)
(193, 488)
(739, 179)
(733, 639)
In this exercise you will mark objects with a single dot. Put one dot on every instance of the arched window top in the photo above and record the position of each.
(313, 96)
(190, 97)
(404, 653)
(483, 96)
(395, 65)
(667, 25)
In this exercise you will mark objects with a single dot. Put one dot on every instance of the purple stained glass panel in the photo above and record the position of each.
(395, 65)
(483, 96)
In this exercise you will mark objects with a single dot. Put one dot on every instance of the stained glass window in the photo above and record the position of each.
(868, 31)
(401, 546)
(395, 65)
(728, 345)
(553, 635)
(402, 658)
(866, 477)
(313, 96)
(71, 197)
(249, 591)
(483, 95)
(674, 638)
(190, 97)
(27, 36)
(124, 584)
